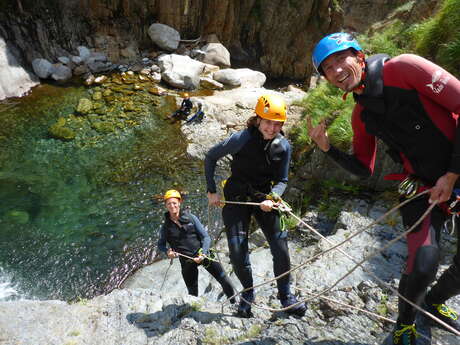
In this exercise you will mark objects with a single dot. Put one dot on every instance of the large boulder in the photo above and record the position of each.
(164, 36)
(215, 54)
(42, 67)
(83, 52)
(61, 72)
(243, 77)
(180, 71)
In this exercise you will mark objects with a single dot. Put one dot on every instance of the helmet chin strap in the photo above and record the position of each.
(360, 85)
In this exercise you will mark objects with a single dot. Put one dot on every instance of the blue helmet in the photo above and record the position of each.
(331, 44)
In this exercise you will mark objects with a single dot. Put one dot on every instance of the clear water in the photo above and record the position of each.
(76, 217)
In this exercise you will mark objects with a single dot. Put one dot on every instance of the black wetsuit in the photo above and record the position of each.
(259, 167)
(188, 239)
(410, 103)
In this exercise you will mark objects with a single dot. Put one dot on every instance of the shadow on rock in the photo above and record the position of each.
(163, 321)
(273, 341)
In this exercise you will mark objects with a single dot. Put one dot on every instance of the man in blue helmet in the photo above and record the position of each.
(412, 105)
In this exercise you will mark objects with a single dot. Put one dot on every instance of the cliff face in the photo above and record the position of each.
(275, 35)
(278, 35)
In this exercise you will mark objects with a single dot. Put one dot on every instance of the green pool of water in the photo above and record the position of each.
(76, 216)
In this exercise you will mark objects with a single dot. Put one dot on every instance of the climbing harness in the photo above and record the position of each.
(409, 187)
(280, 205)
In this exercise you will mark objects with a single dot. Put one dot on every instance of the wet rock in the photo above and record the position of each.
(103, 127)
(80, 70)
(97, 96)
(130, 52)
(42, 68)
(155, 77)
(143, 78)
(77, 60)
(89, 80)
(58, 131)
(83, 52)
(17, 216)
(107, 93)
(84, 106)
(61, 72)
(157, 90)
(101, 79)
(64, 60)
(208, 83)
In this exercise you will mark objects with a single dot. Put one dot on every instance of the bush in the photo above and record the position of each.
(325, 103)
(438, 38)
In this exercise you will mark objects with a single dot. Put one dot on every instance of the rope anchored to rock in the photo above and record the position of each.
(357, 263)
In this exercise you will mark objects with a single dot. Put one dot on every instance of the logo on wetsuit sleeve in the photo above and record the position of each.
(438, 81)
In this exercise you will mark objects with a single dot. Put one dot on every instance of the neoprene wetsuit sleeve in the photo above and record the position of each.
(229, 146)
(348, 162)
(162, 240)
(283, 172)
(202, 233)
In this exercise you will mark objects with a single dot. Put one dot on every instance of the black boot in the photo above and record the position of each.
(244, 308)
(290, 299)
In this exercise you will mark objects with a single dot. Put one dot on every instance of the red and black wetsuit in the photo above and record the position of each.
(412, 105)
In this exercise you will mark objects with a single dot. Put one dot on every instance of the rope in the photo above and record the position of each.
(327, 250)
(166, 274)
(357, 264)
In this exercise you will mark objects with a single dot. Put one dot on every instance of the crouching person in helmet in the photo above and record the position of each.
(185, 235)
(184, 111)
(260, 165)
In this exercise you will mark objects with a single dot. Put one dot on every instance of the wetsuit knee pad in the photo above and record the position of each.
(426, 264)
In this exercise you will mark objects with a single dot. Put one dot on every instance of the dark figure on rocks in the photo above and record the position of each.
(411, 104)
(189, 241)
(184, 111)
(260, 165)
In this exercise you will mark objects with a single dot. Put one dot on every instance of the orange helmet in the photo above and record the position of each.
(271, 107)
(172, 193)
(186, 95)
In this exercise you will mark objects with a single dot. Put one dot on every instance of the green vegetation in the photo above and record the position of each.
(438, 38)
(325, 194)
(325, 103)
(212, 337)
(382, 308)
(392, 40)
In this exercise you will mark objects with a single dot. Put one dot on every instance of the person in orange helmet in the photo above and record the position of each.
(185, 234)
(185, 109)
(259, 170)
